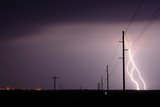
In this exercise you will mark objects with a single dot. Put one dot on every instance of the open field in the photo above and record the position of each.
(76, 95)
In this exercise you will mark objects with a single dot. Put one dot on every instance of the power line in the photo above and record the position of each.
(115, 67)
(112, 58)
(150, 22)
(114, 54)
(135, 14)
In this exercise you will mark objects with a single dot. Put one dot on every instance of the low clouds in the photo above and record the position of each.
(22, 18)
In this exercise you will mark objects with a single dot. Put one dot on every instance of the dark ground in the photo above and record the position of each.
(112, 97)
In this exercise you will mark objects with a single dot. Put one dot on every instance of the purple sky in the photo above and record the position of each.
(74, 39)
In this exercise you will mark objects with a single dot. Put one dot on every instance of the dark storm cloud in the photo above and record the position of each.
(23, 17)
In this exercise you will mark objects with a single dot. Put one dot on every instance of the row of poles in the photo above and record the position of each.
(100, 84)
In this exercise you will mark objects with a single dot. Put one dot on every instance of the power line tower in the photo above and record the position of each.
(54, 78)
(107, 78)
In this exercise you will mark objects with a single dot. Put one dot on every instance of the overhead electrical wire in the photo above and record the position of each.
(146, 27)
(114, 54)
(150, 22)
(112, 58)
(135, 14)
(115, 67)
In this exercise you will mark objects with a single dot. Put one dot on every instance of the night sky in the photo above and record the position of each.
(75, 40)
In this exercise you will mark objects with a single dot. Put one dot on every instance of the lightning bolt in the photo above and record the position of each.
(134, 68)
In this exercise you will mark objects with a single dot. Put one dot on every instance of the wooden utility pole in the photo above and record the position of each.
(54, 78)
(123, 57)
(107, 79)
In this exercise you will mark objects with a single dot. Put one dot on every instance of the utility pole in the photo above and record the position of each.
(123, 57)
(54, 78)
(80, 87)
(98, 86)
(102, 83)
(107, 78)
